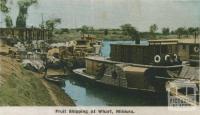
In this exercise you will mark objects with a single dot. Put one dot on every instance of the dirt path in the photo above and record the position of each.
(57, 97)
(53, 96)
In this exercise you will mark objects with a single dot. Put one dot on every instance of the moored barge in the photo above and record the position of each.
(138, 67)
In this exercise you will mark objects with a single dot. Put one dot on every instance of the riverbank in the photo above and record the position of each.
(20, 87)
(112, 36)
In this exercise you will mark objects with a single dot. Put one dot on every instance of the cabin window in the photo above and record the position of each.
(99, 43)
(190, 90)
(182, 90)
(81, 42)
(186, 91)
(184, 47)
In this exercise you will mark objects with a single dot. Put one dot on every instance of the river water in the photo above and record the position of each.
(88, 94)
(85, 93)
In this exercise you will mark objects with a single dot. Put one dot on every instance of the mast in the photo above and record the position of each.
(42, 24)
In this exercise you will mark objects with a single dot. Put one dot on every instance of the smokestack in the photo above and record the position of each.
(195, 37)
(137, 39)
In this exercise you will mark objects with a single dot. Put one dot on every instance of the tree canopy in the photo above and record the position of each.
(165, 31)
(3, 7)
(131, 31)
(84, 29)
(153, 28)
(23, 11)
(52, 23)
(8, 21)
(180, 31)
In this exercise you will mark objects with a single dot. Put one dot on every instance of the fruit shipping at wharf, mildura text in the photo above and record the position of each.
(94, 111)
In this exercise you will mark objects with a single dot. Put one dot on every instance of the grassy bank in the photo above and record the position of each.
(19, 87)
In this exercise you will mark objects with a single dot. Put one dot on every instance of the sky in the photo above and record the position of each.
(113, 13)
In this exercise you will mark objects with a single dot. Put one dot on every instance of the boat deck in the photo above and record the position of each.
(55, 72)
(106, 60)
(81, 72)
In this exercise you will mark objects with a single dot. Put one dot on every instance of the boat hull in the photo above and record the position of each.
(81, 74)
(126, 75)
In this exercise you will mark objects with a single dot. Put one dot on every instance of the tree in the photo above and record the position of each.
(165, 31)
(21, 21)
(8, 21)
(84, 29)
(3, 7)
(191, 30)
(153, 28)
(172, 32)
(105, 31)
(196, 32)
(180, 31)
(5, 10)
(23, 11)
(186, 32)
(131, 31)
(65, 30)
(91, 29)
(127, 29)
(51, 24)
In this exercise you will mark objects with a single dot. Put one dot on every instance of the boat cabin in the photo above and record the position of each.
(189, 48)
(155, 52)
(88, 44)
(86, 41)
(82, 43)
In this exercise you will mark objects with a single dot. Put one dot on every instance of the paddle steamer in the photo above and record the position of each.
(138, 67)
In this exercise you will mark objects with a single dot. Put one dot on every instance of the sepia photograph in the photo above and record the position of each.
(96, 57)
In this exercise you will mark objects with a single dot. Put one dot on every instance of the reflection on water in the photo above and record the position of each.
(88, 94)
